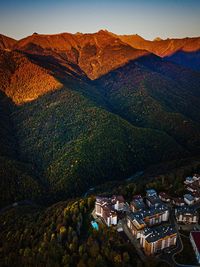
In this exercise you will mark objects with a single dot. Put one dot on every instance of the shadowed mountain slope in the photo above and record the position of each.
(152, 93)
(74, 132)
(187, 59)
(184, 52)
(18, 179)
(76, 143)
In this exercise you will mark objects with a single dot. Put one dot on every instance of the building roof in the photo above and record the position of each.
(196, 175)
(189, 178)
(196, 194)
(164, 195)
(151, 192)
(136, 216)
(156, 233)
(196, 237)
(141, 215)
(189, 197)
(114, 199)
(138, 203)
(186, 210)
(178, 200)
(154, 199)
(193, 186)
(102, 200)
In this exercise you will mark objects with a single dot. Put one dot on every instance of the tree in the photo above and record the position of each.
(126, 257)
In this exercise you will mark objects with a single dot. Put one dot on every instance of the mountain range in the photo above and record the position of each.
(81, 109)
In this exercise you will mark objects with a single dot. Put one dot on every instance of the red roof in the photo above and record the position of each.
(164, 195)
(196, 238)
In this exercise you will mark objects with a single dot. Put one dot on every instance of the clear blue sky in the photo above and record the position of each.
(148, 18)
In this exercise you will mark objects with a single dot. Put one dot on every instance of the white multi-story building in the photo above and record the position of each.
(118, 202)
(137, 221)
(189, 180)
(196, 177)
(106, 208)
(155, 239)
(137, 203)
(189, 199)
(186, 215)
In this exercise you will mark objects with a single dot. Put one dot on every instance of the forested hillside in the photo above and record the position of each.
(155, 94)
(62, 236)
(63, 132)
(17, 179)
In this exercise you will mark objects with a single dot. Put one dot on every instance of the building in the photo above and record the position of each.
(196, 196)
(109, 216)
(153, 201)
(189, 199)
(99, 204)
(178, 201)
(186, 215)
(151, 192)
(195, 241)
(196, 177)
(137, 203)
(154, 240)
(188, 180)
(192, 187)
(136, 224)
(137, 221)
(105, 210)
(118, 202)
(164, 197)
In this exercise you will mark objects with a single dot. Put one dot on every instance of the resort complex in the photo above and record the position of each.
(153, 220)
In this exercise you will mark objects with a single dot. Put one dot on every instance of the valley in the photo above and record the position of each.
(70, 127)
(88, 114)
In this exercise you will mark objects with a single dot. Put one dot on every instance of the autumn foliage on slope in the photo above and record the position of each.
(22, 80)
(6, 42)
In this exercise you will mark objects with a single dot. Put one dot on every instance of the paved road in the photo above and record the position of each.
(170, 257)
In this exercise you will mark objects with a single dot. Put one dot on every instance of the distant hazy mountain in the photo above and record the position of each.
(161, 47)
(80, 109)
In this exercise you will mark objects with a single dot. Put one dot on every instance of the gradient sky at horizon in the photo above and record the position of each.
(148, 18)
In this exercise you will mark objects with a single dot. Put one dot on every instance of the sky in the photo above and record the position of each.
(148, 18)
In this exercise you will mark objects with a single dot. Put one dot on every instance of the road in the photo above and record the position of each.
(170, 257)
(166, 257)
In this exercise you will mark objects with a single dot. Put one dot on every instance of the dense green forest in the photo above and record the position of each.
(76, 144)
(18, 180)
(152, 93)
(82, 133)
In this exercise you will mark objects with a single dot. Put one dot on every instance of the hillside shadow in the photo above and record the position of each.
(187, 59)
